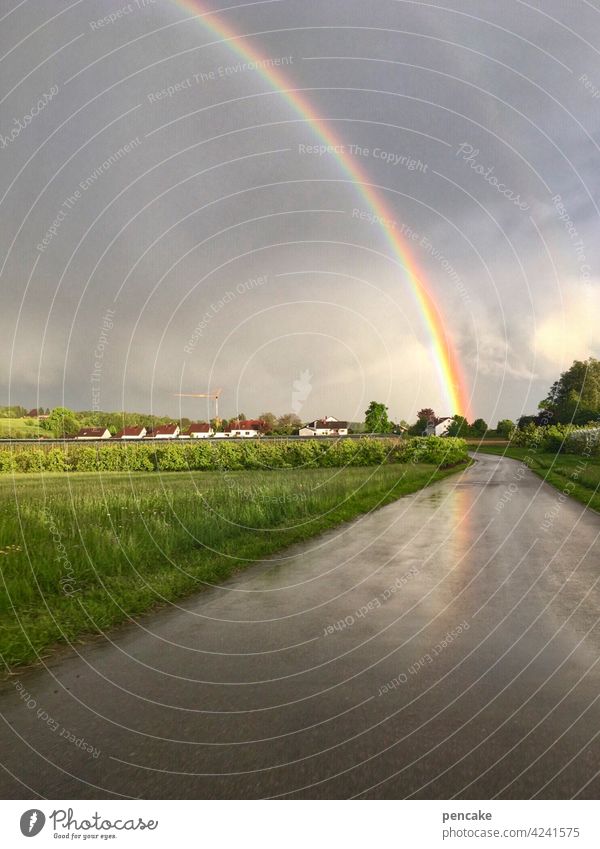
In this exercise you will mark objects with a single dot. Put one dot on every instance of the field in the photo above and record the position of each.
(20, 428)
(580, 473)
(82, 552)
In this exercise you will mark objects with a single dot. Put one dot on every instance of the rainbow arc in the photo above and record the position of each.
(448, 367)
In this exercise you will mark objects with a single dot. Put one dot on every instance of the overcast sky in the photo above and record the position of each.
(201, 248)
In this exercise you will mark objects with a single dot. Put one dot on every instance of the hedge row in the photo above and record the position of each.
(567, 438)
(223, 456)
(584, 442)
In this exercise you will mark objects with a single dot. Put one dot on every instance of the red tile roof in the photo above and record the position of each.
(92, 431)
(165, 430)
(247, 424)
(201, 427)
(134, 430)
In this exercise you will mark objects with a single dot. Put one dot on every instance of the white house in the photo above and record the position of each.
(165, 432)
(328, 426)
(133, 432)
(200, 431)
(438, 427)
(93, 433)
(245, 429)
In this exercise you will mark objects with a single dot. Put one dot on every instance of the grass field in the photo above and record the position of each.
(82, 552)
(20, 428)
(581, 473)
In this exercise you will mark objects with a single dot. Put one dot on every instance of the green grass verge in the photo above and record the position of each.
(582, 474)
(80, 553)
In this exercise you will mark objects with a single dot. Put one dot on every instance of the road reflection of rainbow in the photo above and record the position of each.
(448, 367)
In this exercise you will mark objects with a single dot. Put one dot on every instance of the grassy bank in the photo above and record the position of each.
(82, 552)
(21, 428)
(582, 474)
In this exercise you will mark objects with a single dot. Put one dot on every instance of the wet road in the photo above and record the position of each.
(447, 645)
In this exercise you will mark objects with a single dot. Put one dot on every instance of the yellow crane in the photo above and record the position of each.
(216, 395)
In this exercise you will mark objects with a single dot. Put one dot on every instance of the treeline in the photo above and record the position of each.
(16, 411)
(377, 421)
(573, 399)
(62, 422)
(459, 426)
(231, 456)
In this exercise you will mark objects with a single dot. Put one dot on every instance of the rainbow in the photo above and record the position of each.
(450, 373)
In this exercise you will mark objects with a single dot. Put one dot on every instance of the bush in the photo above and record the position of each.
(440, 451)
(55, 460)
(29, 460)
(559, 438)
(171, 458)
(83, 459)
(7, 461)
(584, 442)
(233, 456)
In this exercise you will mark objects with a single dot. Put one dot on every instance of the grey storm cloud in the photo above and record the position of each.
(147, 174)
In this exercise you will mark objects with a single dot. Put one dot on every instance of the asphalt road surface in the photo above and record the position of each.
(447, 645)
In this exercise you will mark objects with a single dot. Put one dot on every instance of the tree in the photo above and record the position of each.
(575, 396)
(505, 428)
(479, 427)
(525, 420)
(459, 426)
(545, 417)
(62, 422)
(426, 415)
(287, 424)
(270, 421)
(14, 412)
(376, 418)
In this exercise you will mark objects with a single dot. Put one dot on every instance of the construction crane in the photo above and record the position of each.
(216, 395)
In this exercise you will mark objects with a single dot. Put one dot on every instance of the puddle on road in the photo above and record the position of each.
(433, 497)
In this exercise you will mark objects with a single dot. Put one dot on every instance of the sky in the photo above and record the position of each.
(167, 226)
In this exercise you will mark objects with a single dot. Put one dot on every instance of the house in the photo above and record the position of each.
(328, 426)
(200, 431)
(244, 429)
(170, 431)
(438, 427)
(133, 432)
(93, 433)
